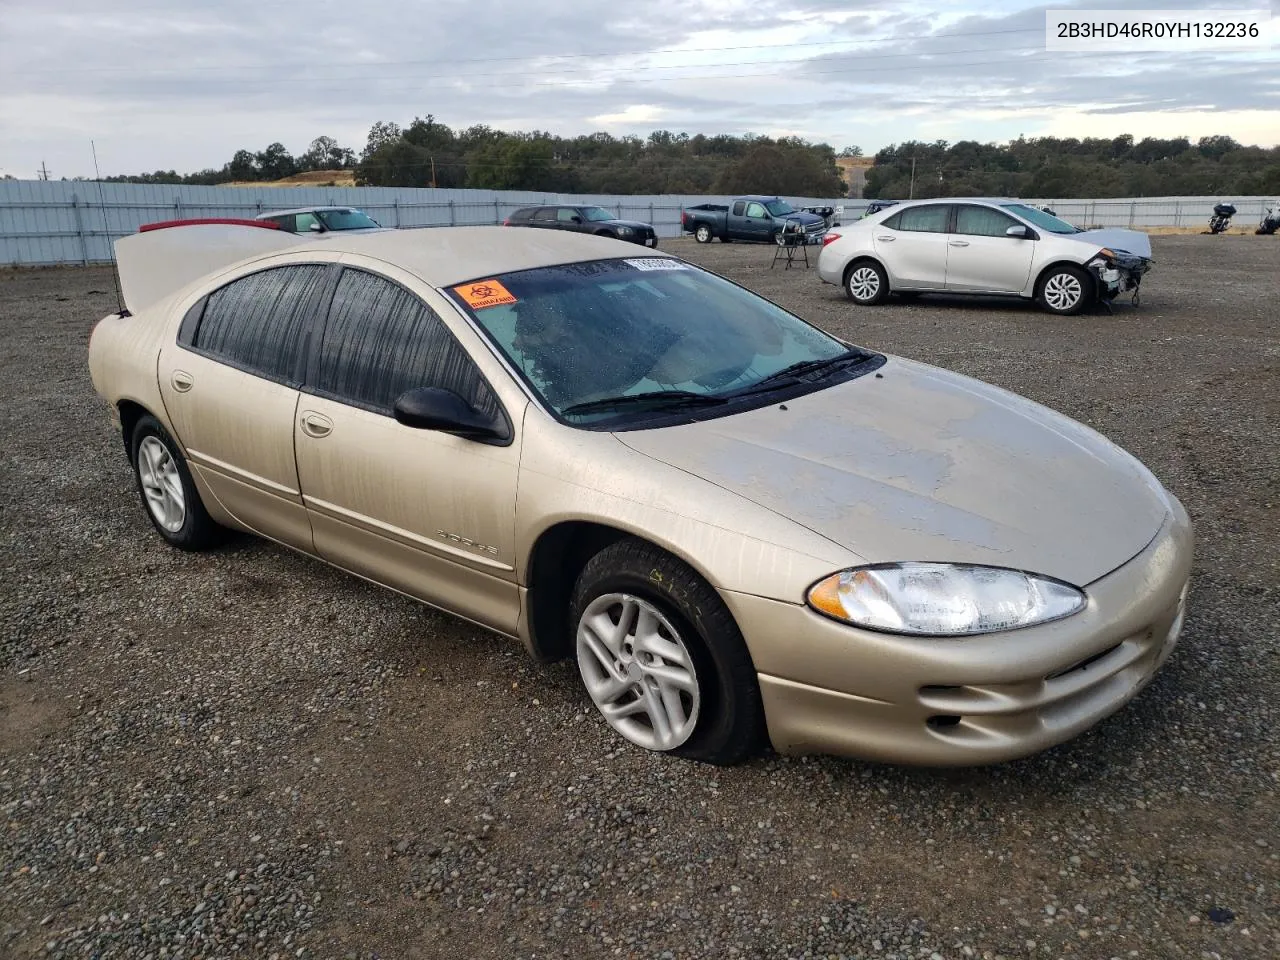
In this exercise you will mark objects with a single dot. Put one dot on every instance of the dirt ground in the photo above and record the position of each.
(246, 753)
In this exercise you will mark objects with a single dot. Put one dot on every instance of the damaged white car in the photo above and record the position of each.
(986, 247)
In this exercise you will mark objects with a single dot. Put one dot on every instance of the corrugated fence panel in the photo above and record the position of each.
(75, 221)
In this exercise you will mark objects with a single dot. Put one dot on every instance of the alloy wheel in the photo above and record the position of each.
(638, 671)
(161, 484)
(864, 283)
(1062, 292)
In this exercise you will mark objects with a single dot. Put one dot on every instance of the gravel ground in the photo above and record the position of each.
(246, 753)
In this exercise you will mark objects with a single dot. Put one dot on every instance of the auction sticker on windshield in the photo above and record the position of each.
(485, 293)
(657, 263)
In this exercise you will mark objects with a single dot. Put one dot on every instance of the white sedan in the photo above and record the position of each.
(987, 247)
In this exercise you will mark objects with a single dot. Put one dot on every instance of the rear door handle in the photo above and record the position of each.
(959, 243)
(182, 381)
(316, 425)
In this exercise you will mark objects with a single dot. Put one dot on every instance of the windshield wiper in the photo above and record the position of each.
(793, 373)
(663, 398)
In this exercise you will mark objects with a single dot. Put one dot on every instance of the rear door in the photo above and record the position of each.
(545, 217)
(981, 257)
(424, 512)
(912, 244)
(230, 384)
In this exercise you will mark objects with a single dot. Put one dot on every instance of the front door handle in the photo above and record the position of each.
(316, 425)
(887, 239)
(959, 243)
(182, 381)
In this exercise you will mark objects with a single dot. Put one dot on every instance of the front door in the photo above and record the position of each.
(912, 244)
(230, 387)
(428, 513)
(981, 257)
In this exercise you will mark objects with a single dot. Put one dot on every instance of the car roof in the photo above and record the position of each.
(916, 203)
(443, 256)
(277, 213)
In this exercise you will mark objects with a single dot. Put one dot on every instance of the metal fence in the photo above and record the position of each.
(74, 221)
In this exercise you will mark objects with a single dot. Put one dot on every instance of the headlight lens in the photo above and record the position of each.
(943, 599)
(625, 231)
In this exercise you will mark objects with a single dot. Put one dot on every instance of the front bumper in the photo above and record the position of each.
(831, 688)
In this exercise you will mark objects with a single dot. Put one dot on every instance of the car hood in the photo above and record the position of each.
(923, 464)
(633, 224)
(1130, 241)
(805, 218)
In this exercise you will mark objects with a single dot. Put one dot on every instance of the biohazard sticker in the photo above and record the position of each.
(484, 293)
(658, 263)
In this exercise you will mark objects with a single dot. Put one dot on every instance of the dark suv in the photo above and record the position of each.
(595, 220)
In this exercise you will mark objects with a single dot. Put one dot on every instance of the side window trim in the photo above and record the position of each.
(194, 317)
(319, 328)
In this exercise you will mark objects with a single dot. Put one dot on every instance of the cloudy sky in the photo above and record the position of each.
(182, 85)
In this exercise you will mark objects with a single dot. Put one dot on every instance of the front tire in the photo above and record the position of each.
(662, 658)
(1064, 290)
(167, 490)
(866, 283)
(702, 233)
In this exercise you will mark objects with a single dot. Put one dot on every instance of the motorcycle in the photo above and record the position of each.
(1221, 219)
(1270, 221)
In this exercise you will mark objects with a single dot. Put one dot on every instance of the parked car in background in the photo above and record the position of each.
(763, 219)
(584, 219)
(982, 246)
(739, 525)
(875, 206)
(321, 219)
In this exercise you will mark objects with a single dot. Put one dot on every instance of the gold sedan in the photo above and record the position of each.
(741, 527)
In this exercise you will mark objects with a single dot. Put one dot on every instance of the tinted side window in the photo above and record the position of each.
(381, 340)
(928, 219)
(257, 323)
(566, 214)
(738, 208)
(975, 221)
(521, 215)
(304, 222)
(545, 213)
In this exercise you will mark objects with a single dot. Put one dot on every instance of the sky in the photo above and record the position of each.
(161, 85)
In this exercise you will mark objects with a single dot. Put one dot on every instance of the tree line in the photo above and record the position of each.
(429, 153)
(1055, 167)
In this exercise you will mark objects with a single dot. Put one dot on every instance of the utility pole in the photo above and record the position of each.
(912, 194)
(44, 171)
(433, 171)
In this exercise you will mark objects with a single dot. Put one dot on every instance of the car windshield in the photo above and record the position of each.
(779, 208)
(590, 337)
(597, 213)
(345, 220)
(1045, 221)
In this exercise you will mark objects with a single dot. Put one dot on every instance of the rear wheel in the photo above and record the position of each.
(702, 233)
(1064, 290)
(866, 283)
(168, 492)
(662, 658)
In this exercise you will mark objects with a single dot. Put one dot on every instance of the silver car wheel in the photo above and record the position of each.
(161, 484)
(864, 283)
(638, 671)
(703, 234)
(1063, 291)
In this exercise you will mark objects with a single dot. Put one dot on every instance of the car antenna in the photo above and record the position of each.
(106, 232)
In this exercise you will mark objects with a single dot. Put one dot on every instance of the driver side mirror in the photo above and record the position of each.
(1018, 231)
(433, 408)
(575, 219)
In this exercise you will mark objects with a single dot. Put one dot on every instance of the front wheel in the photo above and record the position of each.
(168, 492)
(1064, 290)
(702, 233)
(866, 283)
(662, 658)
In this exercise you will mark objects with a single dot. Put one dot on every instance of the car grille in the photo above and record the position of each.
(981, 713)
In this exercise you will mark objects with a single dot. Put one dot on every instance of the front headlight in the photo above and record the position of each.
(942, 599)
(625, 231)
